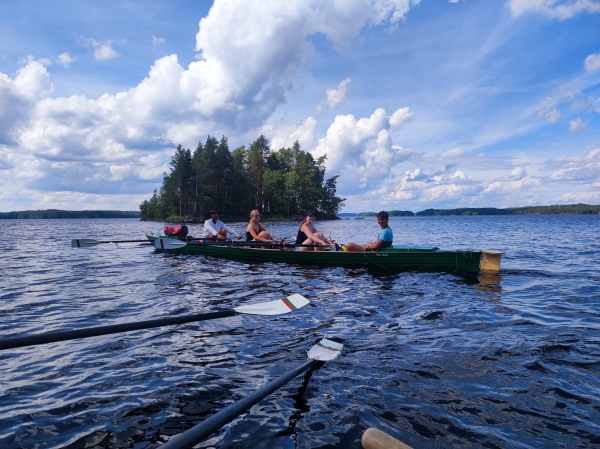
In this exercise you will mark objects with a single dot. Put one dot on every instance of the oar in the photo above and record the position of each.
(86, 243)
(323, 351)
(277, 307)
(175, 244)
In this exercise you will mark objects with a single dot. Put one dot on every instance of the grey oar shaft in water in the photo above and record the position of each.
(277, 307)
(196, 434)
(52, 337)
(323, 351)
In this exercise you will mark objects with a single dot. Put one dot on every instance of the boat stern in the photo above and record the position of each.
(490, 260)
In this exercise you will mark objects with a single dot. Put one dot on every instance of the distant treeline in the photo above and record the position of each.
(280, 184)
(392, 213)
(54, 213)
(530, 210)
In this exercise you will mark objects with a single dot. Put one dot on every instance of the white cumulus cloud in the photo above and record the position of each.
(557, 9)
(18, 97)
(552, 116)
(65, 59)
(592, 62)
(577, 125)
(285, 136)
(445, 184)
(456, 154)
(337, 95)
(517, 180)
(249, 67)
(363, 148)
(249, 56)
(584, 168)
(242, 77)
(158, 40)
(102, 49)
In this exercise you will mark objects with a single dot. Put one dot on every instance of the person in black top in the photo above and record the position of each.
(308, 235)
(256, 231)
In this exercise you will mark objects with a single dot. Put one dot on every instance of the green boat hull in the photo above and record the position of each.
(398, 259)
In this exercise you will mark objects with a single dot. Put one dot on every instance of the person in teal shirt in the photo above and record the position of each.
(384, 239)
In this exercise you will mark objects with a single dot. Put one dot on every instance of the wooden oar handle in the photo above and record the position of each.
(376, 439)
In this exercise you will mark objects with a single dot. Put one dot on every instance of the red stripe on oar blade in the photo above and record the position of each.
(326, 347)
(288, 303)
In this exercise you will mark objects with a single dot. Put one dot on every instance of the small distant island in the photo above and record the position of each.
(55, 213)
(528, 210)
(392, 213)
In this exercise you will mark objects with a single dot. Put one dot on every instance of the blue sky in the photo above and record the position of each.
(416, 103)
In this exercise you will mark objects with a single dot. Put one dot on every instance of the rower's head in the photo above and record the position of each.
(382, 219)
(255, 215)
(309, 216)
(214, 215)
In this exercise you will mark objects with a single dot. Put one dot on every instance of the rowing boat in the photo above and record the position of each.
(396, 257)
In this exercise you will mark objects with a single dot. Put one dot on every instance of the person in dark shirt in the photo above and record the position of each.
(308, 235)
(256, 232)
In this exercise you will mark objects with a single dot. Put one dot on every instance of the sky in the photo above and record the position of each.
(416, 103)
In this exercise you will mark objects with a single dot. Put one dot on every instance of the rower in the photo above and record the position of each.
(256, 232)
(384, 239)
(308, 235)
(215, 229)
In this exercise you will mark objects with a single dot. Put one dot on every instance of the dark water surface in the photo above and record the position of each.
(434, 359)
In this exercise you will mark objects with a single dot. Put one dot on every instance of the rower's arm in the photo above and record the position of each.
(228, 229)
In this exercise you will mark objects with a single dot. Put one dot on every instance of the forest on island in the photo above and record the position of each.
(280, 184)
(527, 210)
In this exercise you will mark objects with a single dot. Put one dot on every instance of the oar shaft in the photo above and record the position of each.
(52, 337)
(199, 432)
(252, 243)
(127, 241)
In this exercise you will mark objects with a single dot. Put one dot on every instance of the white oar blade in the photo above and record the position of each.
(84, 243)
(325, 350)
(277, 307)
(168, 244)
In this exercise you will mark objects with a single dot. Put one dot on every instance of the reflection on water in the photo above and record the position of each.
(489, 282)
(432, 358)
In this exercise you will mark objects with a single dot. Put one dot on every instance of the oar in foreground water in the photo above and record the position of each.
(87, 243)
(323, 351)
(277, 307)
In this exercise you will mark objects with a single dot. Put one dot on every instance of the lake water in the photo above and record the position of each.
(434, 359)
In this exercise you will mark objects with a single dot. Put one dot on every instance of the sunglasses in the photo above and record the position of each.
(257, 215)
(311, 215)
